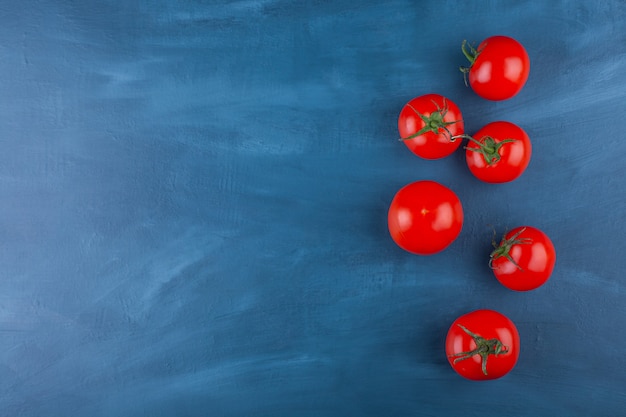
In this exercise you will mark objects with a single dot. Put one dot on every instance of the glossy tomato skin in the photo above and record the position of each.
(430, 145)
(425, 217)
(488, 324)
(514, 156)
(534, 258)
(501, 68)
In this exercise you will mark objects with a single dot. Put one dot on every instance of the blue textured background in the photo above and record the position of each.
(193, 200)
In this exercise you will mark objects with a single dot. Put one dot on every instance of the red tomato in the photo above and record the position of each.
(524, 259)
(428, 125)
(499, 152)
(483, 344)
(425, 217)
(498, 69)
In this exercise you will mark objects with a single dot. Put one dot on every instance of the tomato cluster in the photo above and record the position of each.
(426, 217)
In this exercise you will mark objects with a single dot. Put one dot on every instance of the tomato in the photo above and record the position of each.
(499, 152)
(498, 69)
(524, 259)
(425, 217)
(483, 344)
(429, 124)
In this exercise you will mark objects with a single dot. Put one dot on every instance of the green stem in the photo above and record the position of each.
(471, 54)
(488, 147)
(504, 249)
(484, 348)
(433, 123)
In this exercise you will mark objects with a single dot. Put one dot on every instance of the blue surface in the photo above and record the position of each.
(193, 201)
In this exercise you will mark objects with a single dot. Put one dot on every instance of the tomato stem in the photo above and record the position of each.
(434, 122)
(505, 247)
(488, 147)
(484, 348)
(471, 54)
(469, 51)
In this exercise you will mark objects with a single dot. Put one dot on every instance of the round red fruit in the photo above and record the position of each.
(430, 126)
(499, 152)
(524, 259)
(425, 217)
(499, 67)
(482, 345)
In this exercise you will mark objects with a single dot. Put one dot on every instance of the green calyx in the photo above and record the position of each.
(488, 148)
(434, 123)
(505, 246)
(484, 348)
(471, 54)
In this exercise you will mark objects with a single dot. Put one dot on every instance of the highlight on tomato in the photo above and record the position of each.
(482, 345)
(498, 68)
(524, 260)
(425, 217)
(499, 152)
(430, 126)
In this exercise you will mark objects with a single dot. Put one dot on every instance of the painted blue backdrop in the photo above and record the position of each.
(193, 200)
